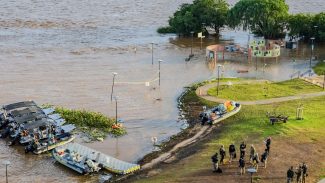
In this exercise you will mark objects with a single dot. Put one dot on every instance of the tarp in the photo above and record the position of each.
(112, 164)
(29, 110)
(19, 105)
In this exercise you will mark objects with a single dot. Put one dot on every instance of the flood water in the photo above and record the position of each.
(64, 53)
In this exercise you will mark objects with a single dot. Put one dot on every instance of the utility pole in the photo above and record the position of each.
(218, 79)
(114, 75)
(152, 43)
(191, 55)
(159, 61)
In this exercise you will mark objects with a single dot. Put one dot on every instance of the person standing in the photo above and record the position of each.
(299, 174)
(222, 153)
(252, 153)
(290, 174)
(215, 160)
(268, 144)
(242, 148)
(255, 161)
(242, 165)
(304, 172)
(232, 152)
(264, 157)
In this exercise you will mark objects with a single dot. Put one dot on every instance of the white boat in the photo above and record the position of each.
(109, 163)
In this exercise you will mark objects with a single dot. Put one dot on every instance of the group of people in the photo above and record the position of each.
(301, 173)
(254, 158)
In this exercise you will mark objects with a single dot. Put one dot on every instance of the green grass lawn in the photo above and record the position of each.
(252, 123)
(319, 68)
(259, 91)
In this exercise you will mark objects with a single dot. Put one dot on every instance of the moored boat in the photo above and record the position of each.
(219, 112)
(109, 163)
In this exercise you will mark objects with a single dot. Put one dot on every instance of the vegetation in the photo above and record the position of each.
(319, 68)
(251, 124)
(264, 90)
(304, 25)
(192, 17)
(94, 124)
(263, 17)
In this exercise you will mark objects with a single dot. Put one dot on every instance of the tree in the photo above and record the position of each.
(263, 17)
(301, 25)
(192, 17)
(319, 21)
(304, 25)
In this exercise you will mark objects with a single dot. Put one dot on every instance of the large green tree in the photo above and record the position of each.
(263, 17)
(192, 17)
(307, 25)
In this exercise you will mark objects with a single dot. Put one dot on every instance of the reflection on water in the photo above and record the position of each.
(64, 53)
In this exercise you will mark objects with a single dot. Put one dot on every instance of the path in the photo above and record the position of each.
(203, 93)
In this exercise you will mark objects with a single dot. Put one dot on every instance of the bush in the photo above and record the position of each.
(166, 30)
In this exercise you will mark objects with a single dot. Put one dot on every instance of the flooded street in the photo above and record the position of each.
(64, 53)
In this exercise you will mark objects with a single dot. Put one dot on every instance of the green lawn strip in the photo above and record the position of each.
(96, 125)
(252, 123)
(319, 68)
(259, 91)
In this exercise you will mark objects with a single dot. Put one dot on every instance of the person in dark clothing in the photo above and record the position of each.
(215, 160)
(242, 148)
(232, 152)
(268, 144)
(304, 172)
(222, 152)
(299, 174)
(255, 161)
(242, 165)
(264, 157)
(290, 174)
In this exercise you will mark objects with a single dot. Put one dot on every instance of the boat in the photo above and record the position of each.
(75, 161)
(219, 112)
(109, 163)
(49, 144)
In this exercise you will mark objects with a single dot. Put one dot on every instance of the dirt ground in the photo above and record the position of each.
(284, 153)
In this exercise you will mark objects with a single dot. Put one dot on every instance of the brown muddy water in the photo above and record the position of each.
(64, 53)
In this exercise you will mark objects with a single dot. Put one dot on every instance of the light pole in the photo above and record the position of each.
(116, 97)
(202, 29)
(114, 75)
(6, 162)
(324, 81)
(152, 43)
(311, 50)
(191, 55)
(218, 79)
(159, 61)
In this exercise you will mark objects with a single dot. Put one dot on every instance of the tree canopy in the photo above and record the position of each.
(192, 17)
(263, 17)
(307, 25)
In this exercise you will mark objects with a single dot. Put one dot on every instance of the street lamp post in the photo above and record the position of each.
(152, 53)
(324, 81)
(218, 79)
(114, 75)
(159, 61)
(311, 50)
(7, 162)
(116, 97)
(192, 33)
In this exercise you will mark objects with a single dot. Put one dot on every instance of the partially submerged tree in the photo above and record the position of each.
(192, 17)
(263, 17)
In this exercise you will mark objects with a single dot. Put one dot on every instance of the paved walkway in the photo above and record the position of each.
(203, 93)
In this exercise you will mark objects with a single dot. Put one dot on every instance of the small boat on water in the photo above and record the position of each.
(41, 146)
(219, 112)
(109, 163)
(77, 162)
